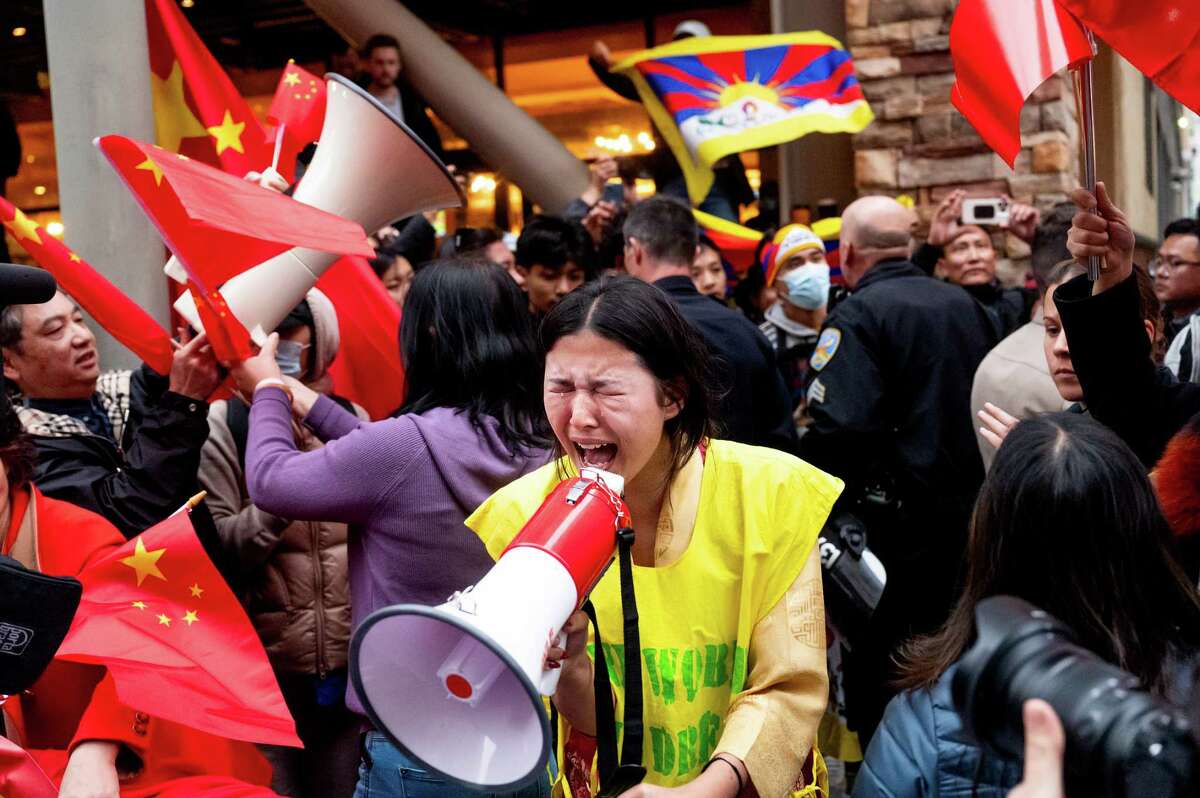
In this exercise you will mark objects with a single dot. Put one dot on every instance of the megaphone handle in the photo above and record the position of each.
(549, 682)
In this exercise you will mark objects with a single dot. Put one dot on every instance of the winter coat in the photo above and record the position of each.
(919, 750)
(142, 476)
(292, 574)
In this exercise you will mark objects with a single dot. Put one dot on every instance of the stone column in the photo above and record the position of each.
(820, 164)
(100, 84)
(920, 145)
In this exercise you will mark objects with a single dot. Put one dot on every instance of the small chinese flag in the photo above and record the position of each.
(123, 318)
(177, 642)
(299, 104)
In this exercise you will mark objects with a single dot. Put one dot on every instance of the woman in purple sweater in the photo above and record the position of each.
(472, 422)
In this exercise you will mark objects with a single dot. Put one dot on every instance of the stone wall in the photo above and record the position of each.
(921, 146)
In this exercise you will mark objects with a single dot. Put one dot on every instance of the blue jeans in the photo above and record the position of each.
(385, 772)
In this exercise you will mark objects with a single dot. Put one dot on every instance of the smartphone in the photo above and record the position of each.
(614, 193)
(992, 211)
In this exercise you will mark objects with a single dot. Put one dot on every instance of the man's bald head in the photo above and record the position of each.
(874, 229)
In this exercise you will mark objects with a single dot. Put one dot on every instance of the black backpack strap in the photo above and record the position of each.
(237, 418)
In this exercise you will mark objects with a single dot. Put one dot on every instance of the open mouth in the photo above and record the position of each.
(596, 455)
(84, 361)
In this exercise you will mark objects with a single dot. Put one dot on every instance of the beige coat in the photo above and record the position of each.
(294, 573)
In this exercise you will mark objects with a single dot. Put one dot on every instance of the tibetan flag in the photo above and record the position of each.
(197, 110)
(829, 230)
(367, 369)
(177, 642)
(736, 243)
(1159, 37)
(123, 318)
(1003, 50)
(714, 96)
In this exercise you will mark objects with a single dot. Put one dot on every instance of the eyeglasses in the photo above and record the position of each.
(1158, 265)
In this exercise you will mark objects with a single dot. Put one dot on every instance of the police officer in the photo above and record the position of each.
(889, 389)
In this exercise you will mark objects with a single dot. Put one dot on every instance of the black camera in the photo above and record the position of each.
(1121, 741)
(853, 577)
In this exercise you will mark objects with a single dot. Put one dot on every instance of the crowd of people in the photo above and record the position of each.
(1035, 441)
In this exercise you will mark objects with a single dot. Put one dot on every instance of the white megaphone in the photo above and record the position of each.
(459, 687)
(369, 168)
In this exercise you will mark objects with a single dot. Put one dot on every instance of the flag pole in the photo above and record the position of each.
(1085, 103)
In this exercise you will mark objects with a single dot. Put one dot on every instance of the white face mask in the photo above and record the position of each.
(807, 286)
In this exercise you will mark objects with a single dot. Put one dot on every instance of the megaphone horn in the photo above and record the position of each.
(459, 687)
(370, 168)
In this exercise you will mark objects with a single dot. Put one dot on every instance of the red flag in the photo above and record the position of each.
(299, 104)
(737, 243)
(20, 774)
(367, 369)
(1003, 50)
(197, 110)
(1159, 37)
(114, 311)
(219, 225)
(177, 642)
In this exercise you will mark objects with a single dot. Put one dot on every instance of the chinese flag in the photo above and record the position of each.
(1003, 50)
(219, 225)
(299, 104)
(1159, 37)
(20, 775)
(114, 311)
(177, 642)
(197, 110)
(367, 369)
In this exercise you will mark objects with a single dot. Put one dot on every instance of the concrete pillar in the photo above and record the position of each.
(99, 84)
(820, 164)
(505, 137)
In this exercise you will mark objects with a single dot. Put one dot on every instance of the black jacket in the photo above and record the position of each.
(149, 476)
(889, 395)
(755, 408)
(1122, 386)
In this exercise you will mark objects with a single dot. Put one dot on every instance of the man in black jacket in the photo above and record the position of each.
(660, 244)
(889, 390)
(1110, 351)
(124, 444)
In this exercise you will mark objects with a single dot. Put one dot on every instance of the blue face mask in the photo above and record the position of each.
(287, 357)
(807, 286)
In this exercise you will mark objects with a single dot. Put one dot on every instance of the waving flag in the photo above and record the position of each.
(737, 243)
(717, 95)
(829, 230)
(1159, 37)
(1003, 50)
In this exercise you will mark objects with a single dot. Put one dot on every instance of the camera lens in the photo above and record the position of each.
(1121, 740)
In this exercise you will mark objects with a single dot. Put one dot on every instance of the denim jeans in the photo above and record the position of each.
(385, 772)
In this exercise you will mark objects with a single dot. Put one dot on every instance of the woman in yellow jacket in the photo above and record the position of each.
(725, 567)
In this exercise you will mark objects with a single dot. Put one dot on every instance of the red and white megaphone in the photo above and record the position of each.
(369, 168)
(459, 687)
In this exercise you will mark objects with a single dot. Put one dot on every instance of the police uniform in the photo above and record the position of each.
(889, 393)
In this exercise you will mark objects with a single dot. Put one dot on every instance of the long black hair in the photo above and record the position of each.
(643, 319)
(1068, 521)
(467, 342)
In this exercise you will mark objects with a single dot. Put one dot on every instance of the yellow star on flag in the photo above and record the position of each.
(141, 605)
(145, 563)
(190, 617)
(164, 621)
(21, 226)
(196, 590)
(151, 166)
(74, 258)
(228, 134)
(173, 119)
(291, 79)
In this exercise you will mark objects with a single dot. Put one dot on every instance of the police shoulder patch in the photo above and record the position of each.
(827, 347)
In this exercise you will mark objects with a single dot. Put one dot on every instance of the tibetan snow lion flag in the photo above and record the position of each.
(717, 95)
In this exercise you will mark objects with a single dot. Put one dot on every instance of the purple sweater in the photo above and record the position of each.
(405, 485)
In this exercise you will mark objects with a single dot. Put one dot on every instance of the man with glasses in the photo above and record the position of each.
(1176, 272)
